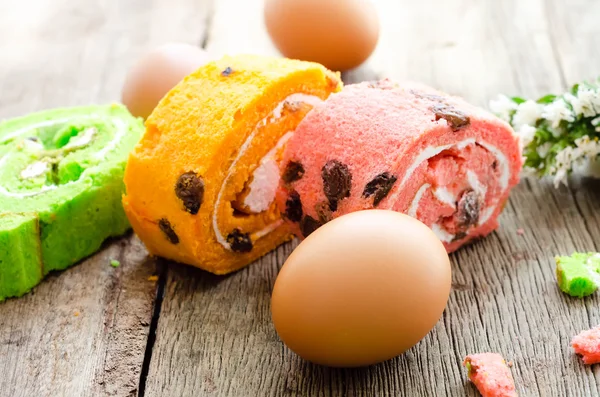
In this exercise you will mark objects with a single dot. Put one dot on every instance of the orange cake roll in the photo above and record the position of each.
(202, 181)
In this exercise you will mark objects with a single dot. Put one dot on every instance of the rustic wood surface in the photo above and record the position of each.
(97, 330)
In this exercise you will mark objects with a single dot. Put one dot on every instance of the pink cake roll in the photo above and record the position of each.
(408, 148)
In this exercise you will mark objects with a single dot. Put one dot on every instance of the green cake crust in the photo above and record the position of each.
(579, 274)
(61, 182)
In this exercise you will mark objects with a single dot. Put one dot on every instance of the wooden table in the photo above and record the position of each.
(99, 330)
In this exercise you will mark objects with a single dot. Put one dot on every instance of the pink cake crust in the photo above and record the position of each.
(490, 374)
(414, 149)
(587, 345)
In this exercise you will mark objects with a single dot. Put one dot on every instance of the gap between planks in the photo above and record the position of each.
(214, 335)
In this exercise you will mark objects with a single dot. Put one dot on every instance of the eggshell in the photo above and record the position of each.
(361, 289)
(340, 34)
(157, 72)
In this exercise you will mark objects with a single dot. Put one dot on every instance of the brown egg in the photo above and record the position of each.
(361, 289)
(340, 34)
(157, 72)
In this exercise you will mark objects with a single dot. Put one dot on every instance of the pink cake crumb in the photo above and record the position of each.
(490, 374)
(520, 232)
(587, 345)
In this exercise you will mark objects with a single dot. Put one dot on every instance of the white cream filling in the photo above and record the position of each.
(33, 145)
(441, 233)
(46, 123)
(477, 186)
(263, 232)
(83, 139)
(486, 213)
(428, 153)
(414, 206)
(444, 195)
(121, 130)
(274, 115)
(265, 179)
(35, 169)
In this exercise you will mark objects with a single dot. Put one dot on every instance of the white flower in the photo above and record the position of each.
(528, 171)
(586, 103)
(527, 113)
(560, 176)
(556, 132)
(502, 106)
(564, 163)
(526, 133)
(543, 149)
(557, 111)
(564, 157)
(596, 123)
(567, 158)
(588, 147)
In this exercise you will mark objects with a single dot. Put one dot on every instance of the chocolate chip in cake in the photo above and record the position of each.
(337, 182)
(455, 118)
(459, 236)
(309, 225)
(190, 189)
(293, 207)
(323, 212)
(379, 187)
(293, 172)
(165, 226)
(495, 165)
(227, 72)
(239, 242)
(469, 207)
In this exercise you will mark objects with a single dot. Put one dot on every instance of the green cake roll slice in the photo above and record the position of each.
(61, 182)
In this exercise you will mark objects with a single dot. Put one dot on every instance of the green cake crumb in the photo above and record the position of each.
(579, 274)
(115, 263)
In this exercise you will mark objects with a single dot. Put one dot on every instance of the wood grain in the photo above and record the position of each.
(84, 331)
(81, 332)
(214, 334)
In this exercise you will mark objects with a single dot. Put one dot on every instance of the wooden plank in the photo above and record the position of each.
(476, 49)
(81, 332)
(214, 335)
(84, 331)
(574, 33)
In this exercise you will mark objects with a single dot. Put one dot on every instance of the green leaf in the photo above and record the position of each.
(544, 135)
(518, 100)
(547, 99)
(575, 89)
